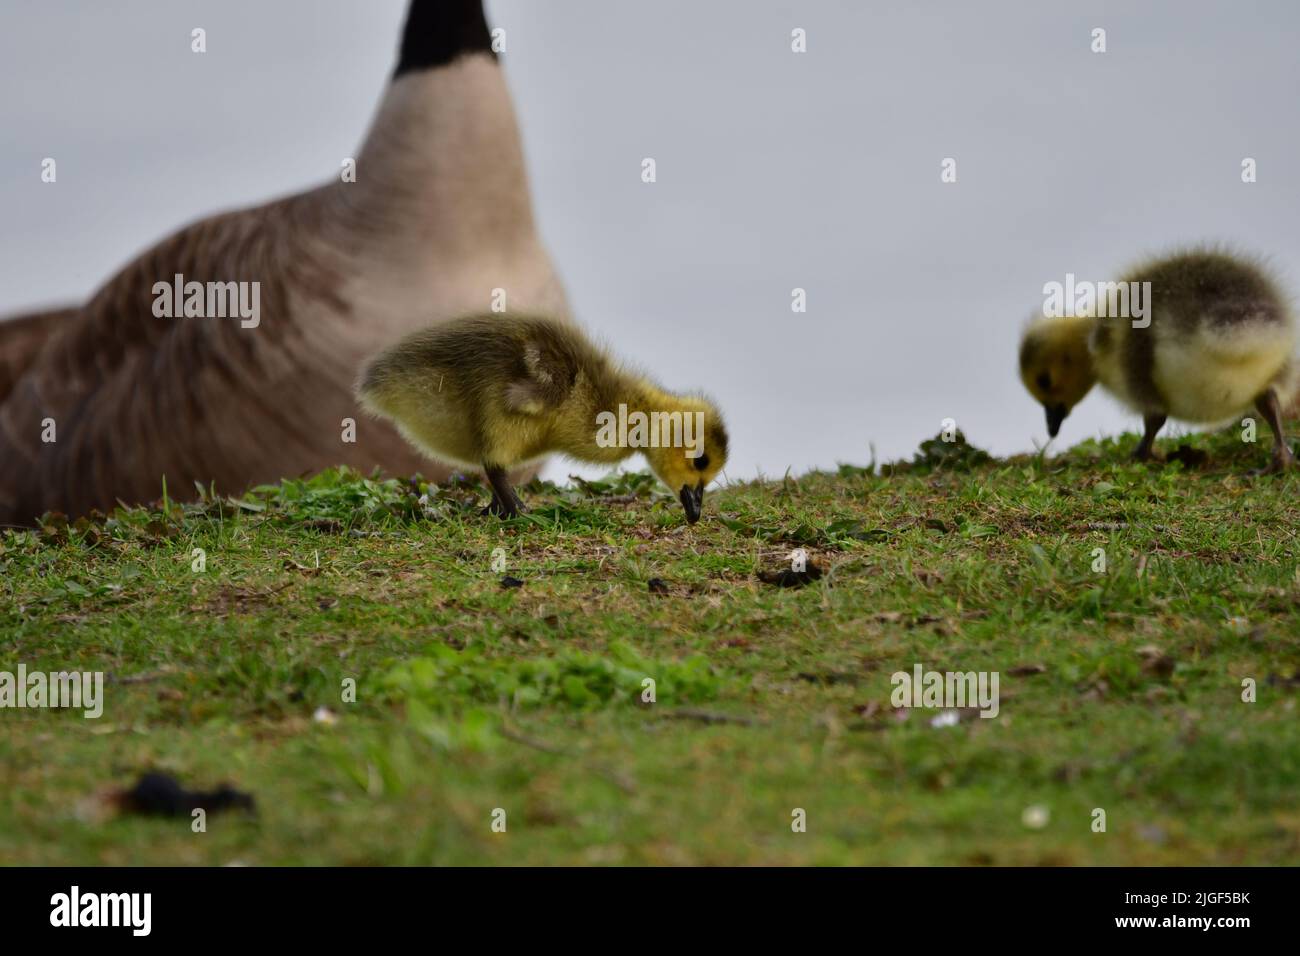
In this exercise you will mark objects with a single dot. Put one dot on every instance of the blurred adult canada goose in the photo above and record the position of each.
(500, 392)
(438, 216)
(1220, 338)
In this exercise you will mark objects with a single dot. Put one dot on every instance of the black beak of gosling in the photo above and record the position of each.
(1055, 415)
(692, 501)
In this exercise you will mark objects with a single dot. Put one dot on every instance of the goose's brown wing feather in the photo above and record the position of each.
(21, 338)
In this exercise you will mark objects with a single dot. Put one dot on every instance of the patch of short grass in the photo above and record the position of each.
(343, 648)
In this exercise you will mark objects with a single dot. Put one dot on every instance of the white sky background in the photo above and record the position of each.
(775, 170)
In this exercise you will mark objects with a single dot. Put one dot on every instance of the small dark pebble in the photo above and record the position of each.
(328, 525)
(509, 582)
(1162, 665)
(657, 586)
(159, 795)
(1025, 670)
(787, 578)
(829, 677)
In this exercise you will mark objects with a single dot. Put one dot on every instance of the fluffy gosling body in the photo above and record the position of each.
(1221, 338)
(497, 392)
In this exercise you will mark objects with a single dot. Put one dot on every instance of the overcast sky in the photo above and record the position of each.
(776, 170)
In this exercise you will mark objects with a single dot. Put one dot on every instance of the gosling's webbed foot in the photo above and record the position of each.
(1141, 454)
(504, 509)
(1279, 463)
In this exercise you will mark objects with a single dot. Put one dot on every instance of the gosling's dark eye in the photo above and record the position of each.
(1044, 381)
(702, 462)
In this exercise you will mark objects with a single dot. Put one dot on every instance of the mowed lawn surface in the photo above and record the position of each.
(1120, 690)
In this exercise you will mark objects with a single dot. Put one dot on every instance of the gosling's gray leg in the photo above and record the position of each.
(1271, 409)
(1151, 424)
(505, 503)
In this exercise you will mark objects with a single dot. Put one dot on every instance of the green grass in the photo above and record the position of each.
(1120, 690)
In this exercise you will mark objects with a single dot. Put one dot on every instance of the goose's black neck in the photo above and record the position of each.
(439, 31)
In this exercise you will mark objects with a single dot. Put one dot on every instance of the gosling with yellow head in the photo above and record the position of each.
(500, 392)
(1216, 336)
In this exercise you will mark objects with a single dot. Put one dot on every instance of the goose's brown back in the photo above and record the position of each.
(134, 398)
(21, 340)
